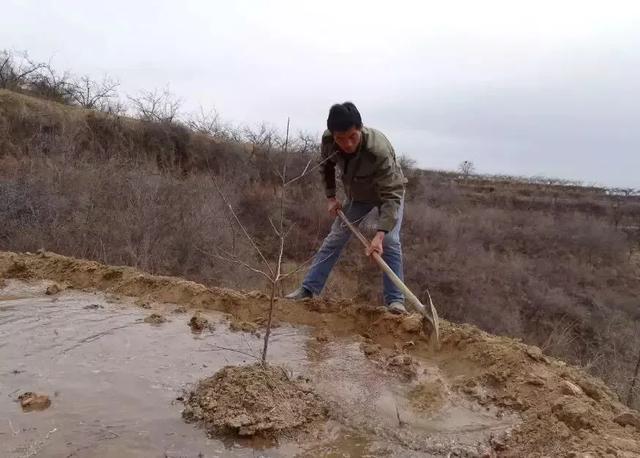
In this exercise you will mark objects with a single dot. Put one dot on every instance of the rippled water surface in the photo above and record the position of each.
(113, 380)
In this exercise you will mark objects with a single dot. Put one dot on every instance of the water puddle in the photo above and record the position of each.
(113, 381)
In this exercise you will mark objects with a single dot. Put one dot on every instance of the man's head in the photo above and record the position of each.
(345, 124)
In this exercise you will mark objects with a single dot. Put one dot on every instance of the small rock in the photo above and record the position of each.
(32, 401)
(180, 309)
(569, 388)
(628, 418)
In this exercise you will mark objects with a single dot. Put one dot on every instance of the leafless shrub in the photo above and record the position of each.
(50, 84)
(208, 123)
(467, 169)
(16, 69)
(156, 106)
(92, 94)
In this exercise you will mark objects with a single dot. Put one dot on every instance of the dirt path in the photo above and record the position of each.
(563, 411)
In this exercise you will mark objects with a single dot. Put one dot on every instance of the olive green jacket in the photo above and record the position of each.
(372, 174)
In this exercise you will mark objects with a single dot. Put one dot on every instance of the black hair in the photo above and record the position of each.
(343, 116)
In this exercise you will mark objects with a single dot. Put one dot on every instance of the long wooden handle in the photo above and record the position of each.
(433, 318)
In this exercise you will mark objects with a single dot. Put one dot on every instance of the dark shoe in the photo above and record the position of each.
(397, 308)
(299, 294)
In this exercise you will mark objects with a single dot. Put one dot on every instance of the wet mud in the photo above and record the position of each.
(254, 400)
(117, 385)
(117, 380)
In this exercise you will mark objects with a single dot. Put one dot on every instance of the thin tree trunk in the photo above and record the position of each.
(267, 332)
(630, 396)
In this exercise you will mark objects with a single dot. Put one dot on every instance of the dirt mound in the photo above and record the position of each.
(253, 400)
(155, 318)
(31, 401)
(562, 409)
(198, 323)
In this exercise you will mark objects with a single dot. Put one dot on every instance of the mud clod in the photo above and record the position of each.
(155, 318)
(572, 412)
(143, 304)
(17, 269)
(412, 323)
(30, 401)
(570, 389)
(253, 400)
(243, 326)
(198, 323)
(628, 418)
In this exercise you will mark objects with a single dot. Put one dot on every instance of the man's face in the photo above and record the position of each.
(348, 140)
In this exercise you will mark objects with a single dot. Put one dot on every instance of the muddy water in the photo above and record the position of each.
(113, 380)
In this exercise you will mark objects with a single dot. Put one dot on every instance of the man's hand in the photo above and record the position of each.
(333, 205)
(376, 244)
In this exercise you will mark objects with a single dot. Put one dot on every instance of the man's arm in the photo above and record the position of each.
(390, 182)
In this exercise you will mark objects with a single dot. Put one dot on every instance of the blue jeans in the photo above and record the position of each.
(330, 250)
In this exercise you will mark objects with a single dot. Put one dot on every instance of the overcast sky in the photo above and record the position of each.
(526, 88)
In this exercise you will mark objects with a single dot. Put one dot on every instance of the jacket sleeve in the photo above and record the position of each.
(390, 182)
(328, 167)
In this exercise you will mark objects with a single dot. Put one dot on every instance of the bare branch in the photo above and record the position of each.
(301, 266)
(273, 226)
(234, 350)
(307, 170)
(208, 123)
(244, 230)
(234, 259)
(92, 94)
(158, 106)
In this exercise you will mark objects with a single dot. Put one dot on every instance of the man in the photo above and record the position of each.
(372, 179)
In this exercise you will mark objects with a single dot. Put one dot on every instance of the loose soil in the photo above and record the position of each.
(254, 400)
